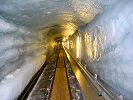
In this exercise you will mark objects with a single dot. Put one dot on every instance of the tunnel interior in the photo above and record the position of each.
(99, 33)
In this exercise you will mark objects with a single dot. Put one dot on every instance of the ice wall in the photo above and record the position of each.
(22, 52)
(24, 25)
(109, 50)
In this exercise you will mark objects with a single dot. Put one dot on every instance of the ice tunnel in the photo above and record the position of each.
(98, 33)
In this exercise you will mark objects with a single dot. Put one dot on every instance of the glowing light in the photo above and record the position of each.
(91, 47)
(63, 43)
(68, 29)
(71, 44)
(67, 44)
(78, 46)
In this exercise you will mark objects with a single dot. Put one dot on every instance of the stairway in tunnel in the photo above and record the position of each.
(60, 86)
(87, 44)
(58, 90)
(62, 79)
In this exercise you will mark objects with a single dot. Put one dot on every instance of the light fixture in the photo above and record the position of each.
(78, 46)
(67, 44)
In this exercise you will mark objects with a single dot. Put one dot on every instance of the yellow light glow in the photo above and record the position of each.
(78, 46)
(67, 44)
(68, 29)
(63, 43)
(91, 47)
(77, 73)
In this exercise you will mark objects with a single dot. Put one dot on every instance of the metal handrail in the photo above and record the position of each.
(98, 85)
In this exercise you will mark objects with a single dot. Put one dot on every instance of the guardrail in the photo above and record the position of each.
(102, 91)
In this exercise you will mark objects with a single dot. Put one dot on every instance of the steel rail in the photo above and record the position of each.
(102, 91)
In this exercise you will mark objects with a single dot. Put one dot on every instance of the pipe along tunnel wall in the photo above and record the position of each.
(105, 28)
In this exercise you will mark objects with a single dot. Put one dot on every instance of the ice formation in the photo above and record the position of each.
(26, 25)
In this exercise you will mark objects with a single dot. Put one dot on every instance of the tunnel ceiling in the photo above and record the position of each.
(56, 18)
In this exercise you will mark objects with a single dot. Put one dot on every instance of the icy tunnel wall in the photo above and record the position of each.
(109, 46)
(20, 47)
(22, 52)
